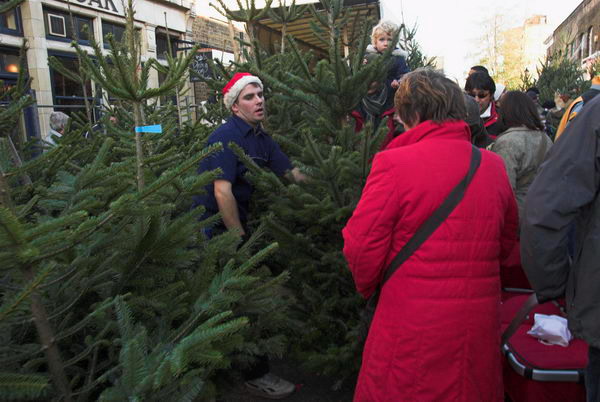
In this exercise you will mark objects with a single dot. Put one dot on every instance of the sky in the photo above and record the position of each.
(450, 28)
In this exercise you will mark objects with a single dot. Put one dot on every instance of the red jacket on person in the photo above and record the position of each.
(436, 331)
(359, 123)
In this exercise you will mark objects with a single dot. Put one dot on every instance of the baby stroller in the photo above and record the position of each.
(532, 370)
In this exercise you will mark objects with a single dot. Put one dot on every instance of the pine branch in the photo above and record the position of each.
(16, 387)
(12, 304)
(321, 163)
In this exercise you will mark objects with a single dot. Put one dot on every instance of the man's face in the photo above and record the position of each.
(482, 97)
(382, 42)
(249, 105)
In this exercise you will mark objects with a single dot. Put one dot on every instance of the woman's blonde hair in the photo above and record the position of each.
(383, 27)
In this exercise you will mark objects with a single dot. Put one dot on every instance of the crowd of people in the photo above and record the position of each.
(531, 206)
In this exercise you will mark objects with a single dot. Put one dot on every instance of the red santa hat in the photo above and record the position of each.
(233, 88)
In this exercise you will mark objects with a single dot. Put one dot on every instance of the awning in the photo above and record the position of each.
(359, 11)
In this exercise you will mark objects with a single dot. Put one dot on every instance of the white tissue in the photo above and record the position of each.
(551, 329)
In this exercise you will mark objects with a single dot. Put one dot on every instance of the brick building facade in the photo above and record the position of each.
(216, 40)
(49, 27)
(578, 35)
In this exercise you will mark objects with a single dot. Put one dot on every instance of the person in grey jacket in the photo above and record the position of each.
(566, 190)
(524, 145)
(58, 121)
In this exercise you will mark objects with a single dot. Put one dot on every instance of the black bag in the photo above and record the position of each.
(422, 234)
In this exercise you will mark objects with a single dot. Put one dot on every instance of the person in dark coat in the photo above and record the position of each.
(482, 87)
(478, 69)
(435, 335)
(378, 103)
(566, 191)
(479, 135)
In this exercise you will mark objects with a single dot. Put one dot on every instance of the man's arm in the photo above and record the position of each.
(228, 205)
(567, 182)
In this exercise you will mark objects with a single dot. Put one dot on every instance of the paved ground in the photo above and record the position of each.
(309, 387)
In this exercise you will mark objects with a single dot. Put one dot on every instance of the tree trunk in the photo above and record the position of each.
(5, 199)
(283, 30)
(16, 158)
(47, 338)
(139, 151)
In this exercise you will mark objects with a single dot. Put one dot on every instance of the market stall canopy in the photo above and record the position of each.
(269, 31)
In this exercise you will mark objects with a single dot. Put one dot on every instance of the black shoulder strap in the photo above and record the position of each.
(436, 219)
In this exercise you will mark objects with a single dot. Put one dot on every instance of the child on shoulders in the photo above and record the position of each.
(381, 39)
(378, 103)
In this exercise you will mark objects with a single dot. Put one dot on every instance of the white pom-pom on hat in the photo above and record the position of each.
(233, 88)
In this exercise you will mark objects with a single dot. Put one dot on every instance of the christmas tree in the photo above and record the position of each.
(559, 74)
(109, 289)
(309, 100)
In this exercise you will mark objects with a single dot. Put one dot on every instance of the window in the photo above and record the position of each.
(9, 69)
(84, 28)
(590, 36)
(61, 26)
(66, 92)
(580, 48)
(57, 25)
(117, 32)
(569, 49)
(10, 22)
(584, 45)
(171, 96)
(9, 62)
(162, 44)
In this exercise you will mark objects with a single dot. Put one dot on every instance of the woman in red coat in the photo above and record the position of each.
(435, 335)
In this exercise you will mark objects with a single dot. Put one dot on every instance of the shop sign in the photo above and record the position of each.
(113, 6)
(200, 65)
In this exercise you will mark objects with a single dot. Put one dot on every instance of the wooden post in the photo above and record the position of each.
(346, 43)
(236, 46)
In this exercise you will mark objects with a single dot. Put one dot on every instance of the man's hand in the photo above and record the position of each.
(395, 84)
(298, 176)
(228, 206)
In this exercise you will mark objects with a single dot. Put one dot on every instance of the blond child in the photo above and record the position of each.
(381, 39)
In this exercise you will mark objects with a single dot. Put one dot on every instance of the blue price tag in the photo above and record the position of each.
(149, 129)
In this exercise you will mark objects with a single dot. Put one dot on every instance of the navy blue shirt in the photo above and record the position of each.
(256, 144)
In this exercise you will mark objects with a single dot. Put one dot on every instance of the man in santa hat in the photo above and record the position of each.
(230, 194)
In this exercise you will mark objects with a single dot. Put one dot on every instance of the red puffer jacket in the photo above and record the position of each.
(436, 331)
